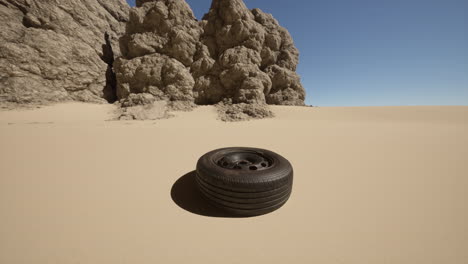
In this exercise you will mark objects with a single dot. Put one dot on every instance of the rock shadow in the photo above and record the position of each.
(186, 195)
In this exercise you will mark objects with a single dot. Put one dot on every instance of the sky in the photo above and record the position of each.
(375, 52)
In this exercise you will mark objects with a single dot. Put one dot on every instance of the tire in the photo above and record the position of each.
(245, 181)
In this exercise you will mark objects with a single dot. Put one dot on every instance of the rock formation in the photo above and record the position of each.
(158, 47)
(233, 53)
(58, 50)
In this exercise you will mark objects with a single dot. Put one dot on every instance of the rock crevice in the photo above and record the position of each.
(110, 90)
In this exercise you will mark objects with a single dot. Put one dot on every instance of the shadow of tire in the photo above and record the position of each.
(186, 195)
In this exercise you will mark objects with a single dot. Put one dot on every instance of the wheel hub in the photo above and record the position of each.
(252, 161)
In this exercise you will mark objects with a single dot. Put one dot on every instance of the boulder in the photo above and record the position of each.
(164, 77)
(56, 51)
(229, 112)
(243, 45)
(232, 53)
(158, 48)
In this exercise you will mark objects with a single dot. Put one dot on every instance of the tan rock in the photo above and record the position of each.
(166, 26)
(150, 111)
(52, 51)
(229, 112)
(163, 77)
(286, 87)
(56, 51)
(244, 44)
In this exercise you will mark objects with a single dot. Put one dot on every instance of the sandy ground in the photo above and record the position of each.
(372, 185)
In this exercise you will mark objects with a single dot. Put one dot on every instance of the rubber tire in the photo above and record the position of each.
(241, 192)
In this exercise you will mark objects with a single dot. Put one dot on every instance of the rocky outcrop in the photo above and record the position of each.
(156, 74)
(57, 50)
(158, 48)
(233, 53)
(98, 51)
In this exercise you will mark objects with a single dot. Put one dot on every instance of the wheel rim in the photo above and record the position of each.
(249, 161)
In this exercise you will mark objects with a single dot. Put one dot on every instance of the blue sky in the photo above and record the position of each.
(375, 52)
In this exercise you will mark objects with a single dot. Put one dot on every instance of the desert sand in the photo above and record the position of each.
(372, 185)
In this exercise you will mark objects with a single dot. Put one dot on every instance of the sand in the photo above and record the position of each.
(372, 185)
